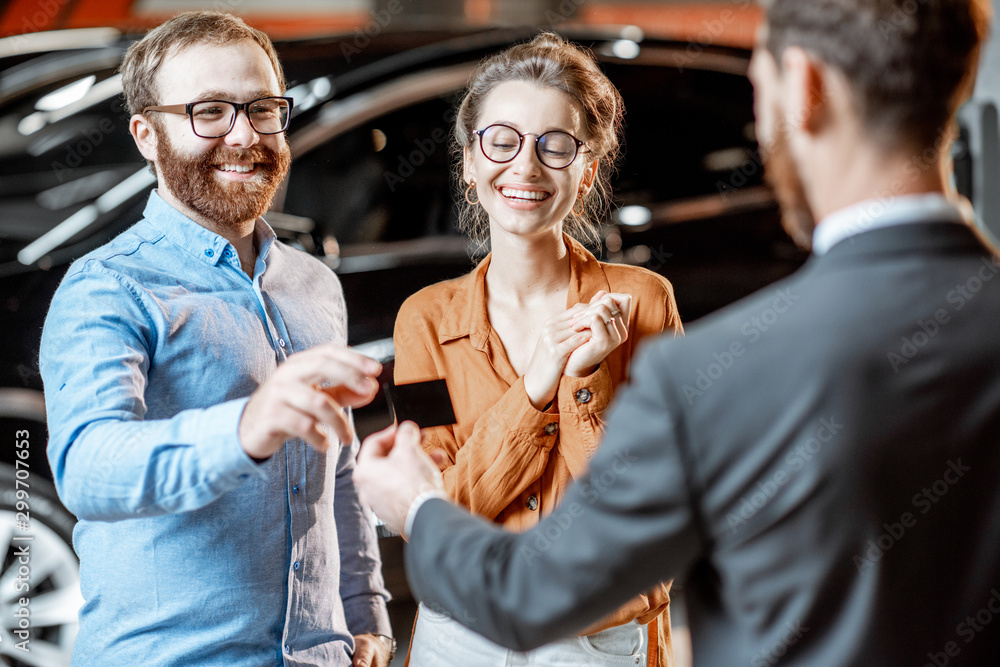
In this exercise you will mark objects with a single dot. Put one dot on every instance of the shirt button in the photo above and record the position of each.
(288, 649)
(532, 502)
(583, 396)
(244, 476)
(295, 565)
(551, 428)
(295, 489)
(209, 252)
(281, 342)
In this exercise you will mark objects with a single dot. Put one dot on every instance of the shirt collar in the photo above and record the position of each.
(466, 315)
(876, 213)
(204, 244)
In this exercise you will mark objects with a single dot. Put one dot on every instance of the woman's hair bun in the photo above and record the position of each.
(548, 39)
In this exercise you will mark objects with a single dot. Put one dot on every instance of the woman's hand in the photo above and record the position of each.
(606, 318)
(558, 340)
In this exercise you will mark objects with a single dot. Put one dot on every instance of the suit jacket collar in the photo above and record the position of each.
(931, 236)
(466, 315)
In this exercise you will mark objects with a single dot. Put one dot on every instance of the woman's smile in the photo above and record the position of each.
(521, 196)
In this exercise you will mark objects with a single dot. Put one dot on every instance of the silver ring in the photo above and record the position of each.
(615, 312)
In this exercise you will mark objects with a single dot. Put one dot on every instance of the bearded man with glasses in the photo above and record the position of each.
(199, 389)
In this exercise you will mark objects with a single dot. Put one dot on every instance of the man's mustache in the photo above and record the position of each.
(258, 155)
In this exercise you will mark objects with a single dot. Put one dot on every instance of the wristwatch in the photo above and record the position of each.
(389, 643)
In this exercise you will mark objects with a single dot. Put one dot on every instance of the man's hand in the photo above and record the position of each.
(371, 651)
(392, 470)
(309, 389)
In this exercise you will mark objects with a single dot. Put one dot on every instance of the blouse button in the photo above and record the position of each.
(583, 396)
(551, 428)
(532, 502)
(209, 252)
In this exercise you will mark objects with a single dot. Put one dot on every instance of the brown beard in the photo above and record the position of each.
(782, 174)
(193, 182)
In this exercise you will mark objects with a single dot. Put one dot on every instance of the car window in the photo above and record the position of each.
(685, 131)
(387, 180)
(62, 144)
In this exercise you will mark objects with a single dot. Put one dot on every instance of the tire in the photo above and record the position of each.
(51, 589)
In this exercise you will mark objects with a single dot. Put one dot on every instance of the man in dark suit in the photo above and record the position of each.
(819, 463)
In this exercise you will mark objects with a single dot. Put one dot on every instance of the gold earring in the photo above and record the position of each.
(583, 206)
(468, 191)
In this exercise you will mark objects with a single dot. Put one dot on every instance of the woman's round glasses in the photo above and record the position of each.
(211, 119)
(556, 149)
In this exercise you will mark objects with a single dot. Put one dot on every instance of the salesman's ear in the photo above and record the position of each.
(806, 92)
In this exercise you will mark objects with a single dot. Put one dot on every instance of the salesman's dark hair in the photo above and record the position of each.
(910, 63)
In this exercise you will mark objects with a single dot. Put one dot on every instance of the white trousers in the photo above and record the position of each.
(439, 641)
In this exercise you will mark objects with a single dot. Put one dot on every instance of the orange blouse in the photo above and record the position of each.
(506, 460)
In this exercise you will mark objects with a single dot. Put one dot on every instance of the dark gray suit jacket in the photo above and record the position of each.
(819, 463)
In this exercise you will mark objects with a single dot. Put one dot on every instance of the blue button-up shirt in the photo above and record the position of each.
(191, 553)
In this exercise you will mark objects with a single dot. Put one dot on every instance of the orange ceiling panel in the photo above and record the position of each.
(729, 24)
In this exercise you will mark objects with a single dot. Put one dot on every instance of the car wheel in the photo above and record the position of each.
(40, 582)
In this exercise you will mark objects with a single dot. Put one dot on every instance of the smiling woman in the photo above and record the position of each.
(534, 341)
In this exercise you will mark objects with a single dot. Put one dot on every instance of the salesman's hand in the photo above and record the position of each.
(392, 470)
(370, 651)
(309, 389)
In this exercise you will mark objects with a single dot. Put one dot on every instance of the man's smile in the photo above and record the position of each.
(236, 167)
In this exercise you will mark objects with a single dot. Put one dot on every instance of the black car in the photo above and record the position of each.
(371, 193)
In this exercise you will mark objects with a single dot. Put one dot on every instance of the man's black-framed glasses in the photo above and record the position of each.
(211, 119)
(556, 149)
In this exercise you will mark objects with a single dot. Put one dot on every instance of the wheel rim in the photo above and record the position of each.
(54, 595)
